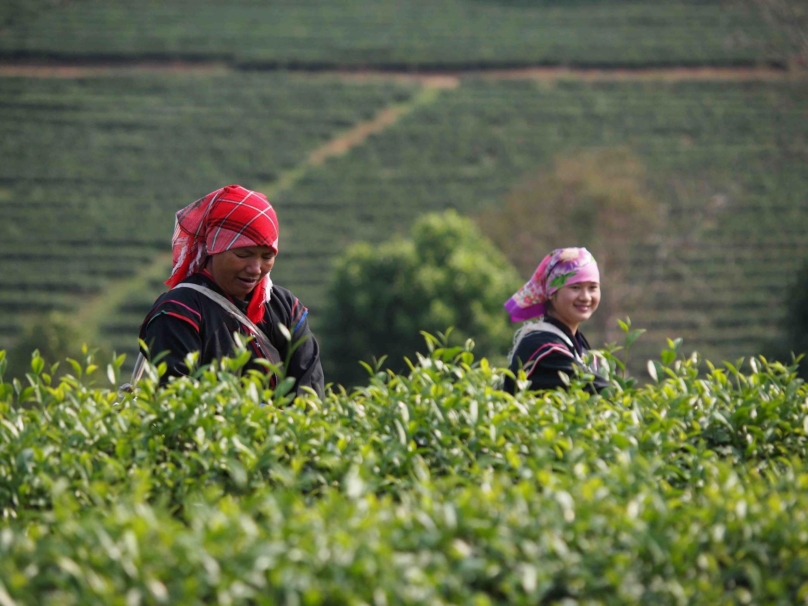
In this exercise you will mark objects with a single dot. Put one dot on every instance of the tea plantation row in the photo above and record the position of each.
(397, 33)
(434, 487)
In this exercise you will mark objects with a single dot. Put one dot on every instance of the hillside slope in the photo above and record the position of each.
(395, 33)
(726, 163)
(94, 167)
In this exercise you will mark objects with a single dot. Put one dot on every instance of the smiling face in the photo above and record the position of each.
(575, 303)
(237, 271)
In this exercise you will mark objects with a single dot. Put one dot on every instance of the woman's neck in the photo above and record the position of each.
(573, 329)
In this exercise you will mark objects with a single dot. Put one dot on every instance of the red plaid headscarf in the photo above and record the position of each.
(230, 217)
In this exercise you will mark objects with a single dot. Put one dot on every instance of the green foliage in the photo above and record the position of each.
(399, 33)
(446, 274)
(432, 486)
(53, 336)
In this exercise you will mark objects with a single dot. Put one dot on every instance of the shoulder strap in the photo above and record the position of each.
(271, 352)
(542, 326)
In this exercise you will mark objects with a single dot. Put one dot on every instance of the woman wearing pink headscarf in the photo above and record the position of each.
(224, 247)
(563, 292)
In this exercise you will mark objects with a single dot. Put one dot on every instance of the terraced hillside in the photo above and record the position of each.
(726, 160)
(93, 169)
(394, 33)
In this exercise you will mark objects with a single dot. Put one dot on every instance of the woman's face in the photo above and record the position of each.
(237, 271)
(575, 303)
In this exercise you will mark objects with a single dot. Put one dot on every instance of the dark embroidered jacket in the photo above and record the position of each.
(183, 320)
(544, 354)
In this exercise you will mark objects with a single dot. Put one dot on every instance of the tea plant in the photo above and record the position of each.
(432, 485)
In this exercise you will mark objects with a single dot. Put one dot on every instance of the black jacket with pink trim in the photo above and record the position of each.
(544, 355)
(183, 320)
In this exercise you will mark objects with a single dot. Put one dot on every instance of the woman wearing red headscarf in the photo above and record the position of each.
(563, 292)
(224, 247)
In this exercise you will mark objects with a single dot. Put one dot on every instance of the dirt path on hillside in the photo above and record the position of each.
(356, 135)
(384, 119)
(441, 79)
(56, 69)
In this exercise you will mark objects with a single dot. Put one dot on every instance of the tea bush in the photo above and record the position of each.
(427, 487)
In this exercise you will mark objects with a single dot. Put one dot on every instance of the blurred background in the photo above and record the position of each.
(668, 137)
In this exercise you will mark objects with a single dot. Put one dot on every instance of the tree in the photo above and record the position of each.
(445, 275)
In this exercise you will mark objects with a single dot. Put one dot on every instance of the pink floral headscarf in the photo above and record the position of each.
(561, 267)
